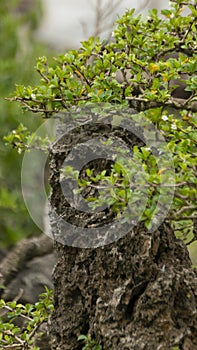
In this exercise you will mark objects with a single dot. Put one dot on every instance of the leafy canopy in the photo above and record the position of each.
(141, 67)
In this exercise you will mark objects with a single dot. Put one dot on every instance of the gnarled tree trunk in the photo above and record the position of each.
(137, 292)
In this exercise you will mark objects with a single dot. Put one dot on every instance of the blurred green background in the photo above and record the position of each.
(18, 52)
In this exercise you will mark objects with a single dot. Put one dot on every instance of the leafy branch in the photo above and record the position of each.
(33, 316)
(156, 77)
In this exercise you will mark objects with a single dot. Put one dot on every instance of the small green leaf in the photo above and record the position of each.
(82, 337)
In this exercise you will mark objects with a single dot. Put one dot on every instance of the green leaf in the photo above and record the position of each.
(82, 337)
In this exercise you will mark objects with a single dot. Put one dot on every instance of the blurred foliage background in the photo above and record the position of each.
(18, 52)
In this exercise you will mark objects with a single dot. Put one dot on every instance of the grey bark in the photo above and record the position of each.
(26, 269)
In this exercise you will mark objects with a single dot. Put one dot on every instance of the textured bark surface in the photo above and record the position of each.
(139, 292)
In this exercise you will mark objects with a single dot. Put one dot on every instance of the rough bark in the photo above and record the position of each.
(139, 292)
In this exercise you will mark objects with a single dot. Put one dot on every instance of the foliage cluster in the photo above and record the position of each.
(21, 325)
(138, 52)
(13, 335)
(90, 344)
(137, 69)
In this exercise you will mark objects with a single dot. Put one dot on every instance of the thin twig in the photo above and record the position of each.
(9, 309)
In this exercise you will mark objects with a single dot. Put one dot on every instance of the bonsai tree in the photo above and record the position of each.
(123, 277)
